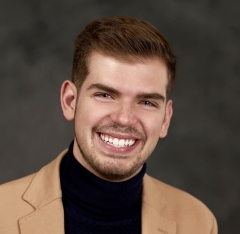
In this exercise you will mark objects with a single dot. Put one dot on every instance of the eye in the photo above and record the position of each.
(103, 95)
(147, 103)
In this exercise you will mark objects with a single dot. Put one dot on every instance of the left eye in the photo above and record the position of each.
(104, 95)
(147, 103)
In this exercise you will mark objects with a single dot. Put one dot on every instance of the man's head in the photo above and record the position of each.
(123, 71)
(123, 38)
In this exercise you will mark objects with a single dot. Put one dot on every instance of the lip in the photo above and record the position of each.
(119, 150)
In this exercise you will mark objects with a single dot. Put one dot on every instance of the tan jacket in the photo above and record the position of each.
(33, 205)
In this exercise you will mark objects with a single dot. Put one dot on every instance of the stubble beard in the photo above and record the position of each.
(111, 169)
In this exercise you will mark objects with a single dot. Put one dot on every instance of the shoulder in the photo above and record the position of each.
(22, 197)
(178, 197)
(15, 187)
(18, 187)
(183, 208)
(12, 205)
(11, 193)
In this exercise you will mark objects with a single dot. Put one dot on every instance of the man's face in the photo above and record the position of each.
(120, 114)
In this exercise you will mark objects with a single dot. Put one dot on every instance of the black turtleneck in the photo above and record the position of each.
(93, 205)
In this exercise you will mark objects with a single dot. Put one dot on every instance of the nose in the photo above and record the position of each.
(124, 115)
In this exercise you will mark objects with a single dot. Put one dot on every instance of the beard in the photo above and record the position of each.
(116, 167)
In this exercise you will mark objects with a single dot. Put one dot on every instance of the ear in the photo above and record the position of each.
(68, 99)
(167, 119)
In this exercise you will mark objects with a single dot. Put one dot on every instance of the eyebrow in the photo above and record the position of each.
(156, 96)
(104, 88)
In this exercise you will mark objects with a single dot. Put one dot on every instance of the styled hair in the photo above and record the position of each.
(124, 38)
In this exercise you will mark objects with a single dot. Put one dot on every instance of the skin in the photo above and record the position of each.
(120, 100)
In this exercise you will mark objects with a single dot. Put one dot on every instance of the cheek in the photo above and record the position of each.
(89, 115)
(153, 134)
(152, 125)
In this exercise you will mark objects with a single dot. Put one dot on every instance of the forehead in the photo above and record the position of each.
(129, 73)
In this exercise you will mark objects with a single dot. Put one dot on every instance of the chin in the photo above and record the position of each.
(116, 171)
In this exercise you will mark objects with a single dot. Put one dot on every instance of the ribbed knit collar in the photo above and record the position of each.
(95, 195)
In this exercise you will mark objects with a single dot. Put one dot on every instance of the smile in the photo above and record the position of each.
(117, 142)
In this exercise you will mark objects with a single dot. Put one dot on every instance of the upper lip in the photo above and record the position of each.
(120, 135)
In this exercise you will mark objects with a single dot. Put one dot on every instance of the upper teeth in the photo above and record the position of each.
(117, 142)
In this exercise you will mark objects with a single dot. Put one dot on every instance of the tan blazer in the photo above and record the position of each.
(33, 205)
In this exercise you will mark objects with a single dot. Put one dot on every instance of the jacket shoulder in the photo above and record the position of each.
(185, 209)
(25, 197)
(12, 205)
(15, 187)
(12, 192)
(175, 195)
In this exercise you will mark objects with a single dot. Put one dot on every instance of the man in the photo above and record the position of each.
(119, 100)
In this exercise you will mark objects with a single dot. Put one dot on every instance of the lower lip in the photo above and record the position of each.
(119, 150)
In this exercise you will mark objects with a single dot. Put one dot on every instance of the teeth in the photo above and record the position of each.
(117, 142)
(121, 142)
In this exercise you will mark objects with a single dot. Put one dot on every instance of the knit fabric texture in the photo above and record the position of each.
(96, 206)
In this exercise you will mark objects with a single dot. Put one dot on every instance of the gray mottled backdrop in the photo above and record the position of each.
(201, 152)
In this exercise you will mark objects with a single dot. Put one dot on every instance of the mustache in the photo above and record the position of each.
(119, 129)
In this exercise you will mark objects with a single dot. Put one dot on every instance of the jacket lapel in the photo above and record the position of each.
(152, 204)
(44, 195)
(48, 220)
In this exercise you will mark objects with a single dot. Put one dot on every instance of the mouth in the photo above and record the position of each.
(117, 142)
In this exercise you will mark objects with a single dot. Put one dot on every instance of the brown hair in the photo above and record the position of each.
(124, 38)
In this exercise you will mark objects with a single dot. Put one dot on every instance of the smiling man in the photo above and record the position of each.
(119, 114)
(119, 100)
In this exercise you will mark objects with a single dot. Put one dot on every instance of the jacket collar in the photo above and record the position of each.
(44, 195)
